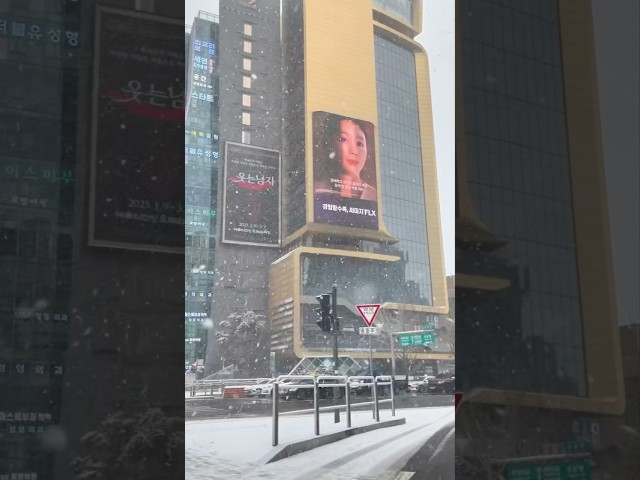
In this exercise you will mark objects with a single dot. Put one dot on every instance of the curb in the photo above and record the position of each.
(287, 450)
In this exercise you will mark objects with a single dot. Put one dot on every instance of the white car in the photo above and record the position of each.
(254, 390)
(258, 388)
(267, 389)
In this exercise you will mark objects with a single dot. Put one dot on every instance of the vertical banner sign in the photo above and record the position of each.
(136, 191)
(251, 195)
(344, 171)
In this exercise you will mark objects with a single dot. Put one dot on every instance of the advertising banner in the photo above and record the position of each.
(344, 171)
(251, 195)
(136, 196)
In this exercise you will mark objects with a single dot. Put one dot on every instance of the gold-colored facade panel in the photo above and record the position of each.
(282, 307)
(340, 71)
(399, 23)
(430, 178)
(340, 77)
(601, 334)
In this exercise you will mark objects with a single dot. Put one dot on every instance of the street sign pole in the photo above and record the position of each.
(393, 356)
(370, 358)
(334, 321)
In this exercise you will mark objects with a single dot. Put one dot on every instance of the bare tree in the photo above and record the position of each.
(408, 356)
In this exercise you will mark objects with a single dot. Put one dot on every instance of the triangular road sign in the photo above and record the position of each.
(368, 312)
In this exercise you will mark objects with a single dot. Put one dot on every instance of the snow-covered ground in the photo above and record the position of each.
(233, 448)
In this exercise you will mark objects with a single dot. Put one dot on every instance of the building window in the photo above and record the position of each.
(246, 100)
(246, 118)
(246, 47)
(246, 64)
(246, 81)
(248, 29)
(246, 137)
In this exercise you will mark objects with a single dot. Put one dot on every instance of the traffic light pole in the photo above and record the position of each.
(392, 342)
(334, 328)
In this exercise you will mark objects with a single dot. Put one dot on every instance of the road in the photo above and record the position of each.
(435, 459)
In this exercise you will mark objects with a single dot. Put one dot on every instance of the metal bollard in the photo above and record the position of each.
(376, 406)
(393, 400)
(316, 408)
(374, 395)
(274, 433)
(347, 396)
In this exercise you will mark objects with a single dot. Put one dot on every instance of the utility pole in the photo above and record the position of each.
(335, 324)
(370, 357)
(392, 341)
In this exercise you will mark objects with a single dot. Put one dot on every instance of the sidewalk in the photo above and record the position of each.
(236, 446)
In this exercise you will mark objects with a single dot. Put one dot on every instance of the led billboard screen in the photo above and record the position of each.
(344, 171)
(251, 195)
(137, 132)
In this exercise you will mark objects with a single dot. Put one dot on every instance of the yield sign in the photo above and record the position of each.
(368, 312)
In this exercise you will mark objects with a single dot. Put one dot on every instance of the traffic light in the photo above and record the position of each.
(324, 322)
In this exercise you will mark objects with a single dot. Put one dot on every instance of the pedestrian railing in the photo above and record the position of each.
(210, 386)
(336, 382)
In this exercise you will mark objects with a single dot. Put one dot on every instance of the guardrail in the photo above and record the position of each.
(336, 382)
(211, 385)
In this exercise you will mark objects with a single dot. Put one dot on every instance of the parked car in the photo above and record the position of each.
(266, 390)
(363, 387)
(291, 389)
(257, 389)
(327, 392)
(442, 383)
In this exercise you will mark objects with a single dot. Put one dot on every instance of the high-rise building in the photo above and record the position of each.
(250, 118)
(535, 306)
(201, 179)
(38, 116)
(91, 219)
(346, 109)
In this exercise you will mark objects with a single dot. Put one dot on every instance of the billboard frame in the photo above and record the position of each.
(92, 241)
(224, 239)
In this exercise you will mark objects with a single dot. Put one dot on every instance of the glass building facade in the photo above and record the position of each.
(519, 181)
(201, 180)
(401, 164)
(39, 60)
(400, 8)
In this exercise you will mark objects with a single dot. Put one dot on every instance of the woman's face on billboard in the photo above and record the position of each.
(351, 146)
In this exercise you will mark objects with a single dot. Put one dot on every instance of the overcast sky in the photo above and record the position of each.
(438, 39)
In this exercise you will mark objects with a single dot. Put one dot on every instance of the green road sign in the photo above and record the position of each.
(428, 338)
(579, 469)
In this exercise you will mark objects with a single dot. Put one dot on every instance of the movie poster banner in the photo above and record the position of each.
(137, 188)
(344, 171)
(251, 195)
